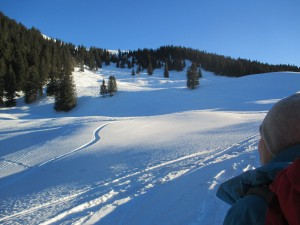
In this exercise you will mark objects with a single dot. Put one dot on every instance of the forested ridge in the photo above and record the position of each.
(30, 61)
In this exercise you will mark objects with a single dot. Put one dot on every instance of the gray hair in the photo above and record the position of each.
(281, 126)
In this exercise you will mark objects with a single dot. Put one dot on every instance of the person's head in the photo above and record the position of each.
(281, 128)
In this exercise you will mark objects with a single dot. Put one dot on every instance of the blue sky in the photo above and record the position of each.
(263, 30)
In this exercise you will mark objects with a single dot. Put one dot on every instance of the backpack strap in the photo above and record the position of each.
(261, 191)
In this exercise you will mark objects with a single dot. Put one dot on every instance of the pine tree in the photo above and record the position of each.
(20, 67)
(166, 70)
(2, 84)
(10, 87)
(107, 58)
(65, 97)
(52, 85)
(112, 85)
(129, 66)
(138, 70)
(98, 59)
(31, 86)
(56, 66)
(192, 76)
(91, 59)
(149, 68)
(44, 67)
(177, 65)
(103, 89)
(133, 72)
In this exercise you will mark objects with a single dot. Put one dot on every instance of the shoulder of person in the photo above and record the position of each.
(249, 210)
(235, 188)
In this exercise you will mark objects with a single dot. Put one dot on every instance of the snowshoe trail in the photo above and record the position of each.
(103, 198)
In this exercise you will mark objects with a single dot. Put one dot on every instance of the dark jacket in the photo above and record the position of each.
(251, 209)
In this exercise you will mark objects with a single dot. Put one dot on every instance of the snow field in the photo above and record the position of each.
(154, 153)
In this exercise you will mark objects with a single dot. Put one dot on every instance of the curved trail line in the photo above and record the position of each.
(95, 139)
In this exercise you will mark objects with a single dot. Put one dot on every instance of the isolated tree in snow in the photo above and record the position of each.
(112, 85)
(103, 89)
(192, 76)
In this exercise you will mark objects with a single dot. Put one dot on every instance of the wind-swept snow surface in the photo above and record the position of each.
(155, 153)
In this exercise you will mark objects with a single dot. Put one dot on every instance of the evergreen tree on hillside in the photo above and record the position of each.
(149, 68)
(44, 71)
(192, 76)
(92, 62)
(52, 85)
(55, 70)
(10, 87)
(177, 65)
(103, 89)
(166, 70)
(138, 70)
(2, 84)
(129, 65)
(112, 85)
(65, 97)
(20, 67)
(107, 58)
(31, 86)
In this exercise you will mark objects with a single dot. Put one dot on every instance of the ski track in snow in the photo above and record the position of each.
(90, 143)
(100, 199)
(6, 163)
(17, 161)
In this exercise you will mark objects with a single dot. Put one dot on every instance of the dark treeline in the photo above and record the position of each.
(175, 58)
(29, 62)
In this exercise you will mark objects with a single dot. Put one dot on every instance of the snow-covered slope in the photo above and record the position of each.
(154, 153)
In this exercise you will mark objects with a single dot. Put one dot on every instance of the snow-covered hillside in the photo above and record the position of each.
(154, 153)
